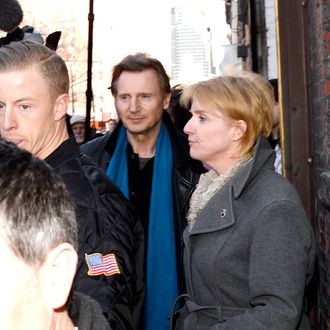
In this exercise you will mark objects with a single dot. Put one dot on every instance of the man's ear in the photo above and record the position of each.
(61, 106)
(239, 130)
(57, 273)
(166, 101)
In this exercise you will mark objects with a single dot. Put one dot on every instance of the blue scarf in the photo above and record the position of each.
(161, 277)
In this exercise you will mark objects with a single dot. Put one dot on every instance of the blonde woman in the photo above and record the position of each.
(249, 247)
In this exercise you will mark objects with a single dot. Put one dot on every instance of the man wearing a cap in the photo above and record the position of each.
(77, 123)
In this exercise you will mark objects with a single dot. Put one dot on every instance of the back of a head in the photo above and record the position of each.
(240, 95)
(137, 63)
(22, 55)
(36, 213)
(179, 114)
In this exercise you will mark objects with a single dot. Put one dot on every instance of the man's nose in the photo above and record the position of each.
(134, 105)
(8, 120)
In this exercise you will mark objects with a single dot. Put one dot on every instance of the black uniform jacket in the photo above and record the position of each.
(86, 313)
(107, 224)
(185, 177)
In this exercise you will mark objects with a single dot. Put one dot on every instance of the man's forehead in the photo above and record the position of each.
(22, 76)
(139, 82)
(32, 68)
(139, 76)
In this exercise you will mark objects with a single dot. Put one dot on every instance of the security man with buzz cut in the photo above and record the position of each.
(34, 86)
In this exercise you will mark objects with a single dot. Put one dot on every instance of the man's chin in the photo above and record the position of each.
(23, 146)
(15, 141)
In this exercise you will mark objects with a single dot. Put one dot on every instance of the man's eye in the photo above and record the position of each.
(2, 106)
(25, 107)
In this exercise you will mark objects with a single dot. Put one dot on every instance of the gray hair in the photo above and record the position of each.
(36, 213)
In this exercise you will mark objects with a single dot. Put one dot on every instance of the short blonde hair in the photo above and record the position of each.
(27, 54)
(243, 96)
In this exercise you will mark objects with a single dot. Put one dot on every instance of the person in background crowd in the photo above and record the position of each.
(112, 125)
(249, 247)
(38, 242)
(77, 123)
(275, 136)
(149, 160)
(110, 236)
(178, 113)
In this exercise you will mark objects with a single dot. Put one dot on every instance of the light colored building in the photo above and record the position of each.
(198, 35)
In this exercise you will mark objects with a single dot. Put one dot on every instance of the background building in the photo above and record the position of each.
(197, 40)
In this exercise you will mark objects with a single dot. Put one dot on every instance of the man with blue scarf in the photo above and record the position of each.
(149, 161)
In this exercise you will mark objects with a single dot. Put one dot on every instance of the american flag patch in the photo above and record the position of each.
(99, 264)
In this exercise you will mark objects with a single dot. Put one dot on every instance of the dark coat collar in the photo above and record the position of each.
(66, 150)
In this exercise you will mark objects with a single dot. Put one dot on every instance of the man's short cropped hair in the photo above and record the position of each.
(36, 213)
(137, 63)
(22, 55)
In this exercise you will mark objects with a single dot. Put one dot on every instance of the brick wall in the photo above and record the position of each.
(319, 38)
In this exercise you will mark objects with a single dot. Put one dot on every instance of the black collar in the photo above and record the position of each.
(66, 150)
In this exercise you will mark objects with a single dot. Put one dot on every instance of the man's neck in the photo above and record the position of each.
(144, 144)
(60, 135)
(63, 322)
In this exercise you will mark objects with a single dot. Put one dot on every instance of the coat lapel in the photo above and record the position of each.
(216, 216)
(217, 213)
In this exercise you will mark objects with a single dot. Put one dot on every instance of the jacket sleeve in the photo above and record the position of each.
(281, 262)
(115, 230)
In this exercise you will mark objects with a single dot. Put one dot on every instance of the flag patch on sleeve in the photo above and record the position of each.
(101, 265)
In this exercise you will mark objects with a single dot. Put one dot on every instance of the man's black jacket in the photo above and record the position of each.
(107, 223)
(86, 313)
(185, 176)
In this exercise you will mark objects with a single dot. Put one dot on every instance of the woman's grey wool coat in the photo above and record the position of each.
(250, 254)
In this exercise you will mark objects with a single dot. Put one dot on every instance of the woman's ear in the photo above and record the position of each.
(239, 130)
(61, 106)
(57, 273)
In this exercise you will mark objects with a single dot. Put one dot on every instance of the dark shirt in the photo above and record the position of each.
(273, 142)
(140, 172)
